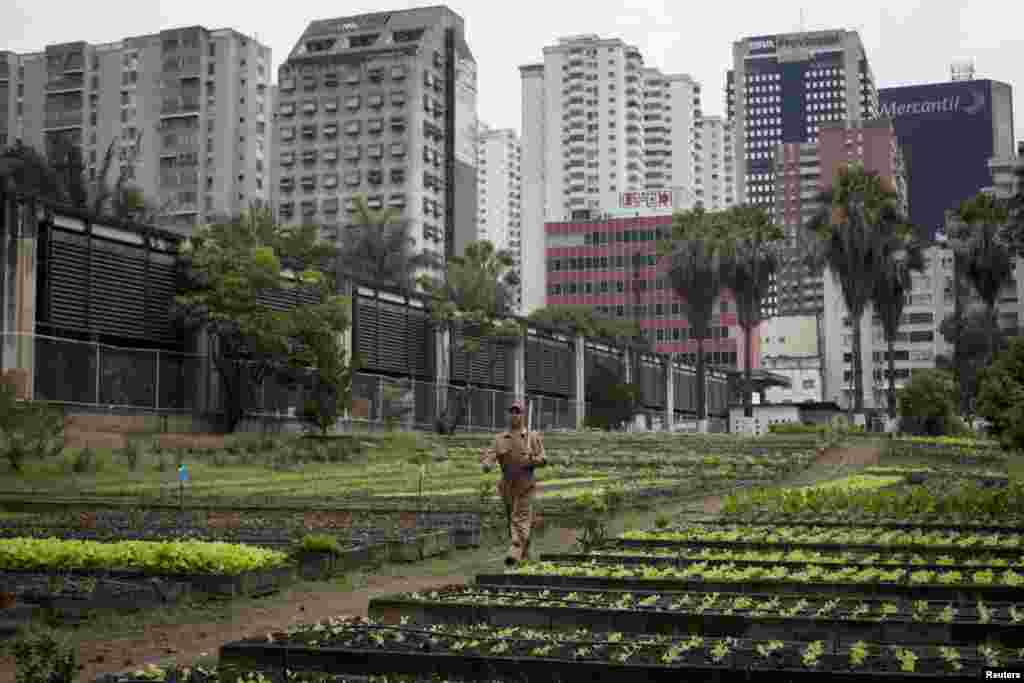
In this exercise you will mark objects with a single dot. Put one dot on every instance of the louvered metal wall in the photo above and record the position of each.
(393, 338)
(492, 365)
(685, 381)
(651, 376)
(126, 291)
(550, 366)
(610, 360)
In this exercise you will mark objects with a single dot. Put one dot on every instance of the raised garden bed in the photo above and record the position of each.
(518, 653)
(614, 579)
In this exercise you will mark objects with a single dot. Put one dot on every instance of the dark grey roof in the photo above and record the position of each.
(399, 20)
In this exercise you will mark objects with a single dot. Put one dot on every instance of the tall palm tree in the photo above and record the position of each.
(380, 249)
(857, 215)
(695, 267)
(889, 297)
(751, 246)
(985, 260)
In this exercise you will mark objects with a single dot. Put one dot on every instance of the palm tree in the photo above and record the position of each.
(985, 261)
(379, 248)
(475, 296)
(857, 215)
(892, 286)
(695, 274)
(751, 251)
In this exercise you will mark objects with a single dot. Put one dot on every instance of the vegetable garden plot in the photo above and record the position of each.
(512, 653)
(819, 537)
(983, 566)
(952, 586)
(712, 614)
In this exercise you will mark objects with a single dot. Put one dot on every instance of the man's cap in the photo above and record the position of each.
(516, 405)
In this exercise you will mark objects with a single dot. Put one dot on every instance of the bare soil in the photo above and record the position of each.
(860, 456)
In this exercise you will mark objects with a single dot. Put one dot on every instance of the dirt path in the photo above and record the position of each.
(861, 456)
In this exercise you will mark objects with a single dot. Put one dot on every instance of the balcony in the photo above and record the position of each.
(66, 83)
(181, 106)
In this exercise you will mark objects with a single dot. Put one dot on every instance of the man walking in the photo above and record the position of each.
(518, 451)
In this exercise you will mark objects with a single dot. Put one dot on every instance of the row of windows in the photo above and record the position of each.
(332, 79)
(331, 204)
(578, 263)
(350, 179)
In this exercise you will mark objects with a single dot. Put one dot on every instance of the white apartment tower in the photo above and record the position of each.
(715, 173)
(597, 123)
(382, 105)
(187, 110)
(498, 192)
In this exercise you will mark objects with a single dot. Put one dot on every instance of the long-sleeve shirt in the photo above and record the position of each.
(518, 453)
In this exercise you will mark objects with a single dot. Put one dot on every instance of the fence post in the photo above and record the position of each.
(380, 400)
(97, 372)
(156, 391)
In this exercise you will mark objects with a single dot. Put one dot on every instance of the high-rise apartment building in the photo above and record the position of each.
(383, 105)
(187, 110)
(783, 88)
(598, 124)
(715, 172)
(802, 172)
(498, 193)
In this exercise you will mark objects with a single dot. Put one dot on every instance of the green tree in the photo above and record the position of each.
(695, 267)
(928, 404)
(850, 233)
(1001, 395)
(228, 268)
(379, 248)
(473, 302)
(984, 259)
(317, 330)
(969, 331)
(611, 401)
(889, 297)
(587, 321)
(751, 246)
(28, 428)
(30, 173)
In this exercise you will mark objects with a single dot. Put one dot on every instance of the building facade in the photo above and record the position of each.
(715, 172)
(499, 188)
(383, 105)
(187, 111)
(969, 121)
(598, 125)
(612, 266)
(783, 89)
(789, 347)
(802, 172)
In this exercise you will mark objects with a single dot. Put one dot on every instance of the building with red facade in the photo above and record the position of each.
(802, 170)
(612, 265)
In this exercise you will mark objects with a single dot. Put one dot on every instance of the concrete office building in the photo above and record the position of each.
(969, 121)
(187, 110)
(498, 192)
(803, 170)
(384, 105)
(611, 264)
(597, 124)
(782, 89)
(715, 171)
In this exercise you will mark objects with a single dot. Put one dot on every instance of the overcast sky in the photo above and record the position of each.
(907, 42)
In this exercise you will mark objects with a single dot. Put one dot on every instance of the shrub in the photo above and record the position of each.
(41, 657)
(320, 543)
(130, 453)
(928, 404)
(796, 428)
(1001, 395)
(85, 461)
(28, 429)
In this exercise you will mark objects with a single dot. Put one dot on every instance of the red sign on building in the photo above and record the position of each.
(648, 199)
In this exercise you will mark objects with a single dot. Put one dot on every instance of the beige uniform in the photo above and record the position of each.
(517, 454)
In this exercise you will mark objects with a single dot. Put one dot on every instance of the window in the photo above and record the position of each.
(352, 103)
(398, 176)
